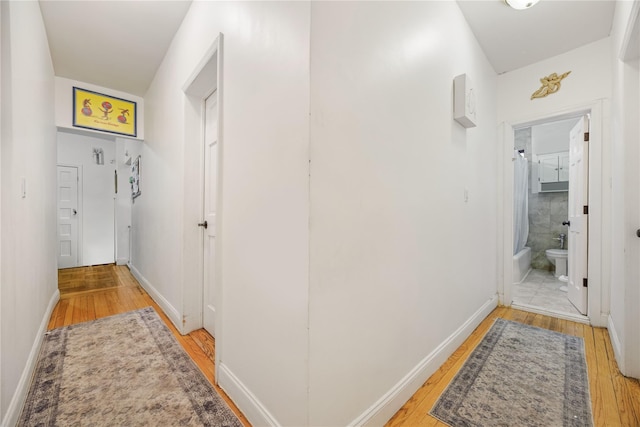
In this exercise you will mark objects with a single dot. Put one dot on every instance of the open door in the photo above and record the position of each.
(210, 212)
(578, 214)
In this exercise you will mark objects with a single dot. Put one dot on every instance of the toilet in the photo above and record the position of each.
(558, 257)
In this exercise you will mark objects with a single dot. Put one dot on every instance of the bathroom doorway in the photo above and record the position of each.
(541, 215)
(539, 266)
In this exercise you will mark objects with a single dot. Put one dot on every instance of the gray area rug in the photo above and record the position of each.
(123, 370)
(519, 375)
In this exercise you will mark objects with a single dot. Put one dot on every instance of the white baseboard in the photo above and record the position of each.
(600, 321)
(246, 401)
(20, 395)
(381, 411)
(169, 310)
(617, 345)
(122, 261)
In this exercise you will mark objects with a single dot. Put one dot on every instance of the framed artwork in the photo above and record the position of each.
(97, 111)
(135, 178)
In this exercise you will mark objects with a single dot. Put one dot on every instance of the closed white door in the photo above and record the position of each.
(209, 223)
(67, 217)
(578, 224)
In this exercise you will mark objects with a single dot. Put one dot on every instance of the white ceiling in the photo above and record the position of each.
(111, 43)
(120, 44)
(512, 39)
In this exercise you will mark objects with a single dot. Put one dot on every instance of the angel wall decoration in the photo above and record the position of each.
(550, 84)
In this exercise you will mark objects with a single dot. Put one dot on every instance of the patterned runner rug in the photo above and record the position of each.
(519, 375)
(125, 370)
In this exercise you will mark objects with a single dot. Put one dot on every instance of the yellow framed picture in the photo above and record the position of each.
(97, 111)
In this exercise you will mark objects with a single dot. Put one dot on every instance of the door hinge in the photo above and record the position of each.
(585, 210)
(585, 282)
(586, 137)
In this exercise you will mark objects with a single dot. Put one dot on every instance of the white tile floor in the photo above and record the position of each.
(541, 289)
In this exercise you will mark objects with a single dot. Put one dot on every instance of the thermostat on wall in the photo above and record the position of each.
(464, 101)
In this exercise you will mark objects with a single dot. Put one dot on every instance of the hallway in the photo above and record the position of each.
(89, 293)
(361, 229)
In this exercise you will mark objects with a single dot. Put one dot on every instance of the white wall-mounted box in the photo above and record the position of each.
(464, 101)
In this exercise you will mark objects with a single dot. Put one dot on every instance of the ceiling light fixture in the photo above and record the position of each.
(521, 4)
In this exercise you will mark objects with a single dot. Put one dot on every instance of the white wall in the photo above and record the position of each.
(64, 104)
(625, 251)
(590, 79)
(588, 85)
(97, 211)
(399, 260)
(263, 337)
(551, 137)
(28, 281)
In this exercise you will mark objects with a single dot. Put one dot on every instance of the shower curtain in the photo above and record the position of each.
(520, 202)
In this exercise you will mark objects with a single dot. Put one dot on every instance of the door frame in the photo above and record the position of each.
(80, 210)
(205, 79)
(598, 301)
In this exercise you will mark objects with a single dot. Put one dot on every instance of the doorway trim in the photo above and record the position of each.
(205, 79)
(598, 302)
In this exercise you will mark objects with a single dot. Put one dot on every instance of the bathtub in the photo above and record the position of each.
(521, 265)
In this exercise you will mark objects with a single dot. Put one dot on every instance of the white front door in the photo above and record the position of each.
(578, 224)
(210, 209)
(67, 217)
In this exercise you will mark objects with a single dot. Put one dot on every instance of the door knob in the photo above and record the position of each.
(75, 212)
(638, 232)
(203, 224)
(567, 223)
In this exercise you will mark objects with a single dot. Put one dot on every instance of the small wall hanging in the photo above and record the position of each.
(98, 156)
(93, 110)
(550, 84)
(134, 180)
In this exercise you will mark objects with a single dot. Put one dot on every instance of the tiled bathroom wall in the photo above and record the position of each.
(547, 211)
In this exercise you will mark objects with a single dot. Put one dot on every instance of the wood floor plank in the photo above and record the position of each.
(52, 320)
(610, 412)
(68, 318)
(621, 387)
(633, 388)
(61, 312)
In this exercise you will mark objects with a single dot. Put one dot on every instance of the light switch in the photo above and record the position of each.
(23, 187)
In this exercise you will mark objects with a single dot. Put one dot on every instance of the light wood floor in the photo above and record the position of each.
(90, 293)
(615, 399)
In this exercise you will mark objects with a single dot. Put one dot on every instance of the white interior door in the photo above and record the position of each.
(67, 217)
(210, 210)
(578, 224)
